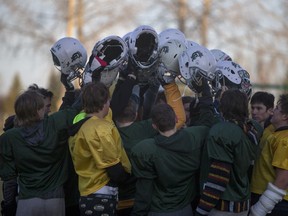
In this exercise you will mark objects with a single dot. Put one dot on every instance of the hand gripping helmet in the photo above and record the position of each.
(195, 63)
(220, 55)
(69, 57)
(143, 47)
(168, 57)
(231, 75)
(114, 51)
(171, 34)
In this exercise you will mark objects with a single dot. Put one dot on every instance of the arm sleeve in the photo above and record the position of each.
(202, 113)
(142, 160)
(280, 155)
(117, 173)
(218, 178)
(149, 99)
(121, 95)
(7, 165)
(67, 100)
(174, 99)
(143, 197)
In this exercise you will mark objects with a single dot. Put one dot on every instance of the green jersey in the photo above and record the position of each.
(40, 156)
(130, 136)
(171, 163)
(228, 143)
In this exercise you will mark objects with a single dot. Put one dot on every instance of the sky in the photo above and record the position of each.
(32, 66)
(35, 67)
(30, 71)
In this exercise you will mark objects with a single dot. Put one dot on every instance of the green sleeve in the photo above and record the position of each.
(221, 142)
(143, 197)
(7, 165)
(142, 160)
(63, 119)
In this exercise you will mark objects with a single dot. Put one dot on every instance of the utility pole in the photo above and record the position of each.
(70, 18)
(182, 15)
(204, 22)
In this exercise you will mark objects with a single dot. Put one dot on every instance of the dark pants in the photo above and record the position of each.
(10, 193)
(124, 212)
(98, 204)
(186, 211)
(280, 209)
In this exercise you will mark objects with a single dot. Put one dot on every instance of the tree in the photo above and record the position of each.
(13, 93)
(252, 32)
(56, 87)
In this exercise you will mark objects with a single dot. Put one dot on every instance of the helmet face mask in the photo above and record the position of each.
(231, 75)
(143, 46)
(195, 63)
(69, 57)
(114, 51)
(107, 77)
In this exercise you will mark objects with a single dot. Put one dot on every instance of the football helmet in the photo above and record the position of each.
(231, 75)
(113, 52)
(195, 63)
(191, 43)
(143, 47)
(220, 55)
(169, 34)
(69, 57)
(126, 38)
(168, 58)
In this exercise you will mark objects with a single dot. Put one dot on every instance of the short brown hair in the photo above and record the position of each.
(94, 96)
(283, 102)
(27, 106)
(163, 116)
(129, 113)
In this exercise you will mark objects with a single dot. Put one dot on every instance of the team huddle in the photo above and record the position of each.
(145, 149)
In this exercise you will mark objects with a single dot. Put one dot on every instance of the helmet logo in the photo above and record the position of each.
(234, 64)
(76, 56)
(165, 49)
(196, 55)
(58, 46)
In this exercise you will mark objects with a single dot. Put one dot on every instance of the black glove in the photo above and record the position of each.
(201, 88)
(67, 83)
(203, 92)
(128, 72)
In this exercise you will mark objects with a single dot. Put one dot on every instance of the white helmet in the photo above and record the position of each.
(126, 38)
(69, 56)
(231, 75)
(191, 43)
(220, 55)
(114, 51)
(171, 34)
(169, 54)
(143, 47)
(195, 63)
